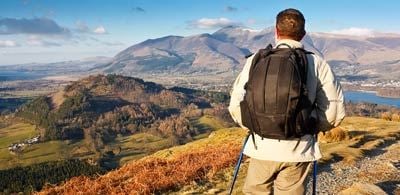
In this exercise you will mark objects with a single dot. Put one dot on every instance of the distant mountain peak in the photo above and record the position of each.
(223, 50)
(207, 35)
(243, 28)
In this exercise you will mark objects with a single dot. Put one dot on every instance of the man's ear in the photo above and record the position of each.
(276, 33)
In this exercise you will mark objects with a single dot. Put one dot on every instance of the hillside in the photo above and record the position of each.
(206, 166)
(103, 106)
(105, 121)
(93, 116)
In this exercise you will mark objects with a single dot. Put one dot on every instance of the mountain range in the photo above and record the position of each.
(374, 56)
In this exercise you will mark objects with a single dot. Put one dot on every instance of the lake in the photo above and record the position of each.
(6, 75)
(371, 97)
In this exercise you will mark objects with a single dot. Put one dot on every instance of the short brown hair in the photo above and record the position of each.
(290, 23)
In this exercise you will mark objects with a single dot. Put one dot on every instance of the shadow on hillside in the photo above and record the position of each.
(355, 133)
(364, 139)
(380, 148)
(201, 127)
(389, 186)
(325, 166)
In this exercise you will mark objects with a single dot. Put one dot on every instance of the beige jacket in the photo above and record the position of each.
(323, 88)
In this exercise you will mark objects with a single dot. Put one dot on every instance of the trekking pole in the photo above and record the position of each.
(238, 164)
(315, 169)
(314, 190)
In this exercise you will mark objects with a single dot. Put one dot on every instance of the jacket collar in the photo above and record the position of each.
(290, 42)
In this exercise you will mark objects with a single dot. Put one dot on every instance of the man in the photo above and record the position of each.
(279, 166)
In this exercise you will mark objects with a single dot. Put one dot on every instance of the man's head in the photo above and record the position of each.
(290, 25)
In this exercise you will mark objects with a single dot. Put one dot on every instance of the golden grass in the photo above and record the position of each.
(152, 174)
(334, 135)
(165, 170)
(228, 135)
(361, 136)
(362, 189)
(198, 166)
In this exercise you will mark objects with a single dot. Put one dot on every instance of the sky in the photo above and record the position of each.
(45, 31)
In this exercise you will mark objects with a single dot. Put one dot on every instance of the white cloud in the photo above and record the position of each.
(210, 23)
(8, 43)
(354, 31)
(100, 30)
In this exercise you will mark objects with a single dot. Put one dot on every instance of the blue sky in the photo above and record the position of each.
(59, 30)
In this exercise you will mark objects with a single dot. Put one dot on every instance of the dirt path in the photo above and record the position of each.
(381, 167)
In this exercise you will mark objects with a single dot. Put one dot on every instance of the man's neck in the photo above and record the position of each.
(291, 42)
(287, 38)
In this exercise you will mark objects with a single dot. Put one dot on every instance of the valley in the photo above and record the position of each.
(108, 122)
(112, 113)
(105, 122)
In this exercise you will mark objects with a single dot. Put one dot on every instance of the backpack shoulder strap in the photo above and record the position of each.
(305, 51)
(260, 54)
(301, 58)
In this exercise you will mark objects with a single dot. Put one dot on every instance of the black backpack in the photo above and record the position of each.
(276, 103)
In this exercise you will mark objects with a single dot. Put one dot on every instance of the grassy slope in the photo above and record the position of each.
(11, 134)
(166, 169)
(364, 135)
(15, 132)
(132, 147)
(219, 137)
(206, 124)
(221, 141)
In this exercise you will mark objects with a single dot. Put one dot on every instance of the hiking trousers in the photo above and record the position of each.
(280, 178)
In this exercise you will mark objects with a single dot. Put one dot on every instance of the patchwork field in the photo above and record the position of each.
(125, 148)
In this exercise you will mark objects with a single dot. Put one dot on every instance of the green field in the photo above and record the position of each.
(37, 153)
(206, 124)
(125, 148)
(15, 133)
(138, 145)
